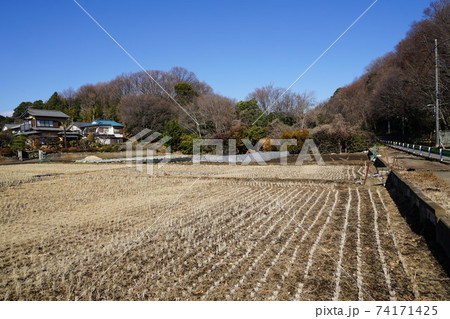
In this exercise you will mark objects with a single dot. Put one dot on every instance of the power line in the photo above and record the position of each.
(316, 60)
(136, 62)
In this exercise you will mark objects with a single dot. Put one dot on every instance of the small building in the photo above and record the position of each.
(14, 128)
(77, 127)
(75, 130)
(44, 125)
(105, 132)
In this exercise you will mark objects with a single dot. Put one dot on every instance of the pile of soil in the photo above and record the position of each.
(92, 158)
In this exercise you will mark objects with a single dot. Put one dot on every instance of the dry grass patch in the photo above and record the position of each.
(210, 232)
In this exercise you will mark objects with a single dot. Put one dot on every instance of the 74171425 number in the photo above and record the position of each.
(407, 310)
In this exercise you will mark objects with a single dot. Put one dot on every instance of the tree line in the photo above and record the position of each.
(395, 97)
(185, 108)
(392, 97)
(138, 102)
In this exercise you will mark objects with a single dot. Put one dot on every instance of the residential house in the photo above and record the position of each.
(44, 125)
(105, 132)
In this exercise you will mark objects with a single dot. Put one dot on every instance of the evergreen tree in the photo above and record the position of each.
(55, 102)
(248, 112)
(173, 129)
(38, 105)
(21, 108)
(185, 94)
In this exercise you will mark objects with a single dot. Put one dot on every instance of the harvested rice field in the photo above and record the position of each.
(207, 232)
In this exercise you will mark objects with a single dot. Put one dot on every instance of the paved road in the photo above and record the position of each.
(423, 154)
(413, 162)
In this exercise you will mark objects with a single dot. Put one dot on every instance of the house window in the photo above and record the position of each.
(45, 123)
(103, 130)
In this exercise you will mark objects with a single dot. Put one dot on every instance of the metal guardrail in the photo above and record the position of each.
(420, 150)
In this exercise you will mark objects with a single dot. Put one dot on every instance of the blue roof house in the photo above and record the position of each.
(105, 132)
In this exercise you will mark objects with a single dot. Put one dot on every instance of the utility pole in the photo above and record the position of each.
(438, 140)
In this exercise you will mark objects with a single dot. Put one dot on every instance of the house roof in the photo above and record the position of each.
(11, 126)
(103, 122)
(50, 129)
(80, 123)
(70, 133)
(46, 113)
(28, 133)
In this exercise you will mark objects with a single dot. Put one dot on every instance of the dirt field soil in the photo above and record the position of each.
(209, 232)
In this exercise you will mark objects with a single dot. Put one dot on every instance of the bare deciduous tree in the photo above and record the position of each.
(217, 109)
(145, 111)
(272, 100)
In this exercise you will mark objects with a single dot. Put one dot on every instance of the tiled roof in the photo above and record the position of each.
(79, 124)
(50, 129)
(11, 126)
(46, 113)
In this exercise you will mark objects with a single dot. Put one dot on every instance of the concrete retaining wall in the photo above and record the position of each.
(423, 213)
(443, 234)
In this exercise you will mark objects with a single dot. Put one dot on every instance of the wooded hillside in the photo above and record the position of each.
(400, 86)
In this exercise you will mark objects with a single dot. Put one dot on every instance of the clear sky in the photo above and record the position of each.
(234, 46)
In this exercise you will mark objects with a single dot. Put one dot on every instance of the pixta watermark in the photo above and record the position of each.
(141, 152)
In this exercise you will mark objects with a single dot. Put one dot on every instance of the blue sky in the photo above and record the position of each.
(234, 46)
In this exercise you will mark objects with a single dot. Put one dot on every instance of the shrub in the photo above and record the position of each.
(53, 141)
(107, 148)
(267, 146)
(96, 145)
(222, 136)
(286, 135)
(225, 138)
(6, 138)
(299, 135)
(238, 133)
(90, 138)
(161, 149)
(255, 133)
(330, 140)
(325, 141)
(186, 143)
(84, 143)
(360, 141)
(6, 151)
(19, 143)
(35, 142)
